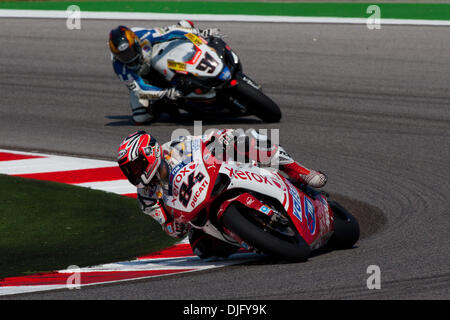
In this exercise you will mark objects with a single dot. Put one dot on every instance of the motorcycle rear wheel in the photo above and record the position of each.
(256, 102)
(235, 220)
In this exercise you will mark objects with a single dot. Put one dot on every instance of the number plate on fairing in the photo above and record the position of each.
(189, 182)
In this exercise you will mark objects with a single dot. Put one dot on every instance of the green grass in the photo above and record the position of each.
(46, 226)
(431, 11)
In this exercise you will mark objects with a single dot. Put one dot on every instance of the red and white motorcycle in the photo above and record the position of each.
(255, 208)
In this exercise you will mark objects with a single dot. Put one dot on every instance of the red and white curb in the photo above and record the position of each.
(106, 176)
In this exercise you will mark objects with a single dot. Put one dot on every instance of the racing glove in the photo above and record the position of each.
(175, 229)
(155, 209)
(210, 32)
(204, 33)
(172, 94)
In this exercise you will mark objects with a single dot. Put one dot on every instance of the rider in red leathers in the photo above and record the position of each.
(148, 165)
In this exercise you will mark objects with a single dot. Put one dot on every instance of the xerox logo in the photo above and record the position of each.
(297, 203)
(310, 215)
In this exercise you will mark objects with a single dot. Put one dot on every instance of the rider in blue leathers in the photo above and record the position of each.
(131, 50)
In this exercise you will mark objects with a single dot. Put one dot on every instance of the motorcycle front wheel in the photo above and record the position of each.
(236, 220)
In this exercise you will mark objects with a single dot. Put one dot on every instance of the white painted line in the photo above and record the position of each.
(172, 263)
(59, 14)
(50, 164)
(115, 186)
(163, 264)
(4, 291)
(24, 153)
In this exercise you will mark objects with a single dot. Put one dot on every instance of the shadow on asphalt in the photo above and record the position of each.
(183, 119)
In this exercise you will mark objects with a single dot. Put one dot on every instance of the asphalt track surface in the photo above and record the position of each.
(368, 107)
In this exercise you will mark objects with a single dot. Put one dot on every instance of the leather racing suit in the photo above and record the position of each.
(151, 197)
(146, 86)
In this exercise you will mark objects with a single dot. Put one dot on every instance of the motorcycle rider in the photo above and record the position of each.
(147, 165)
(131, 50)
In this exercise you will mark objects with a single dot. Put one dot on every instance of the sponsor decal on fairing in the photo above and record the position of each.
(310, 215)
(297, 203)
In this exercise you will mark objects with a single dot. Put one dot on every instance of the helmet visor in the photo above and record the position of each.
(127, 54)
(133, 170)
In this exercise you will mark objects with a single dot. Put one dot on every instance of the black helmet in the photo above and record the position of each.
(125, 45)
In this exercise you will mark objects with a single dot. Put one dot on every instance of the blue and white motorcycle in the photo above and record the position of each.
(209, 74)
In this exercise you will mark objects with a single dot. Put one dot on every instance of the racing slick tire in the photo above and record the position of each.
(235, 220)
(346, 227)
(256, 102)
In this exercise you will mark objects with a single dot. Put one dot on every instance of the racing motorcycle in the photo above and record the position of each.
(255, 208)
(210, 76)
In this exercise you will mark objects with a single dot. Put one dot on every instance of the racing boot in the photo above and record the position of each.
(257, 147)
(312, 178)
(298, 173)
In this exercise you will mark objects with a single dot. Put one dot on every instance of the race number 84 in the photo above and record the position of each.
(186, 188)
